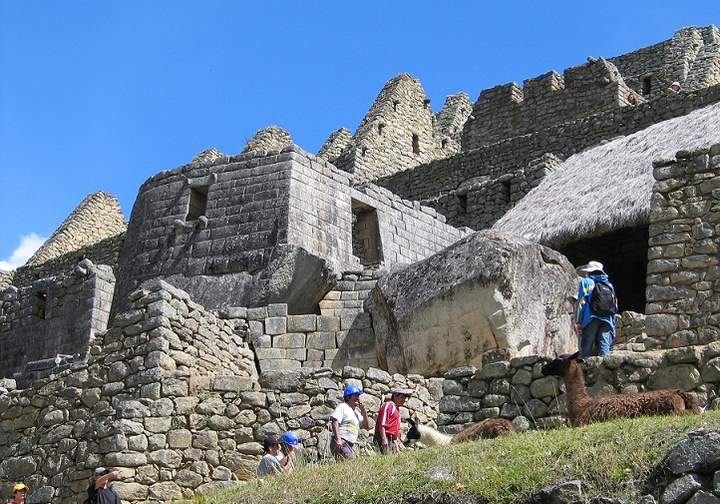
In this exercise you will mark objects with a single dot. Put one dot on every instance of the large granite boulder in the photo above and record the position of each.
(487, 291)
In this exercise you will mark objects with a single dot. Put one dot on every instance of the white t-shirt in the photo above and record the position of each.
(348, 422)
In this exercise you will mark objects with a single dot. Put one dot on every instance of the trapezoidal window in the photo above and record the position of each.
(415, 144)
(646, 86)
(198, 202)
(366, 234)
(40, 304)
(624, 255)
(462, 203)
(381, 127)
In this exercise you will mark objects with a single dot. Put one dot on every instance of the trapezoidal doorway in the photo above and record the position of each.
(366, 234)
(624, 255)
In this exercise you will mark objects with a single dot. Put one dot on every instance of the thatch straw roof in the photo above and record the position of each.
(607, 187)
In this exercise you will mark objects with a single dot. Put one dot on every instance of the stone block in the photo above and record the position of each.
(279, 364)
(232, 383)
(275, 325)
(683, 376)
(277, 310)
(681, 489)
(257, 313)
(289, 340)
(302, 323)
(321, 340)
(326, 323)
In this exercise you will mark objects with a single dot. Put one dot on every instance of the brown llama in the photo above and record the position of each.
(485, 429)
(583, 409)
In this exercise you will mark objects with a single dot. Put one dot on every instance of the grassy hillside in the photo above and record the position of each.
(608, 457)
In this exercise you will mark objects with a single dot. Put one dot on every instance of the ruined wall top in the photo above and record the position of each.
(337, 142)
(208, 156)
(272, 138)
(691, 57)
(97, 217)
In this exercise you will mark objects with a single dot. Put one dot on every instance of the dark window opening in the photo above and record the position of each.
(381, 127)
(462, 203)
(415, 144)
(444, 143)
(40, 308)
(198, 202)
(426, 103)
(646, 86)
(395, 105)
(504, 191)
(366, 243)
(363, 152)
(624, 255)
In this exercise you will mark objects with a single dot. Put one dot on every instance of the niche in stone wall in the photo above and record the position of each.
(415, 144)
(646, 86)
(366, 234)
(624, 255)
(198, 202)
(40, 304)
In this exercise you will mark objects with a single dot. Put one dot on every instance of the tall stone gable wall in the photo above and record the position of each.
(383, 143)
(683, 293)
(54, 315)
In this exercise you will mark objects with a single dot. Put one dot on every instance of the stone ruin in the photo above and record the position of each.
(247, 289)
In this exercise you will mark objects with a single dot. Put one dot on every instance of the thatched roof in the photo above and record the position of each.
(607, 187)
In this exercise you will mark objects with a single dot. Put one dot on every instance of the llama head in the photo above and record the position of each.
(413, 433)
(559, 365)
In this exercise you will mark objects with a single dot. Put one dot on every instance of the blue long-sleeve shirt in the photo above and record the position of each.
(585, 288)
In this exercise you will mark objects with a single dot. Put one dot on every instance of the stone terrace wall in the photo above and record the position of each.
(683, 280)
(408, 231)
(170, 395)
(431, 180)
(517, 390)
(53, 315)
(6, 278)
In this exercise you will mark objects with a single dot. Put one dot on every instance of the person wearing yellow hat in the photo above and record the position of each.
(19, 492)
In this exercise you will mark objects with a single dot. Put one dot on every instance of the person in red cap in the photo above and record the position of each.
(19, 492)
(387, 426)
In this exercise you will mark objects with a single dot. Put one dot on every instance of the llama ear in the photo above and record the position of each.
(575, 357)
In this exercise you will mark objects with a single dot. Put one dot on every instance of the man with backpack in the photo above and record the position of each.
(596, 308)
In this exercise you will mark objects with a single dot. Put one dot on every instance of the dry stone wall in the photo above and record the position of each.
(517, 390)
(480, 201)
(433, 179)
(171, 396)
(337, 142)
(548, 100)
(398, 132)
(270, 139)
(683, 285)
(53, 316)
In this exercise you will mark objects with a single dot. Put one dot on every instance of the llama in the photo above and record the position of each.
(583, 409)
(486, 429)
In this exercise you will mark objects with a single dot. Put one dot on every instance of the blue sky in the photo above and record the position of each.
(102, 95)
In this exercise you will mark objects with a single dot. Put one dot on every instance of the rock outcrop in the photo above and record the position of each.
(486, 291)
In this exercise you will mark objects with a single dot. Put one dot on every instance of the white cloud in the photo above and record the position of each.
(28, 245)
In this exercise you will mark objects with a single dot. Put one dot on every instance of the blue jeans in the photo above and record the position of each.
(596, 333)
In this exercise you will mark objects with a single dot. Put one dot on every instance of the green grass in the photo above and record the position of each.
(611, 458)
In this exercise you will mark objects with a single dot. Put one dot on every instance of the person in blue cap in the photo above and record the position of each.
(346, 421)
(289, 448)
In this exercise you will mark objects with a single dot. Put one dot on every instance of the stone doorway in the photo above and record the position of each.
(624, 254)
(366, 234)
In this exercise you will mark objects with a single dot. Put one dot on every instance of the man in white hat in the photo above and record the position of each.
(674, 87)
(596, 308)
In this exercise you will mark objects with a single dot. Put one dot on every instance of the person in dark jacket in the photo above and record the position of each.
(99, 491)
(596, 330)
